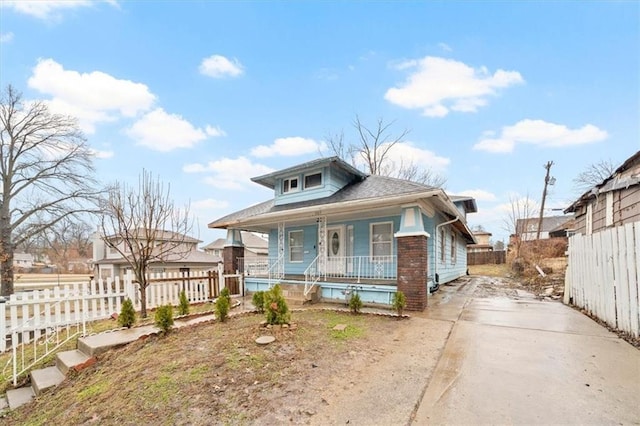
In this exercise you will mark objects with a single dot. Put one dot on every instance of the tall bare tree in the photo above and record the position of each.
(144, 226)
(520, 214)
(47, 174)
(373, 149)
(68, 240)
(593, 175)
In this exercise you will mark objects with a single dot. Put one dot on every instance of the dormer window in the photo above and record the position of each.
(313, 180)
(290, 185)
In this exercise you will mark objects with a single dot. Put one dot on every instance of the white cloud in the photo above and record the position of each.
(406, 154)
(214, 131)
(228, 173)
(541, 133)
(438, 85)
(445, 47)
(48, 9)
(478, 194)
(209, 204)
(91, 97)
(289, 147)
(102, 154)
(165, 132)
(217, 66)
(6, 37)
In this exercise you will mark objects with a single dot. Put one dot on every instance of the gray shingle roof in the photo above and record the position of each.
(370, 188)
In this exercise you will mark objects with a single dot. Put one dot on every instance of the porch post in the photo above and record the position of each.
(413, 259)
(233, 249)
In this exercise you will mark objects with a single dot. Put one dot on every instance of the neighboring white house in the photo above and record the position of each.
(255, 246)
(185, 257)
(22, 260)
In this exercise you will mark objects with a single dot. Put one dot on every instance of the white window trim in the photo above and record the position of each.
(290, 179)
(302, 246)
(589, 219)
(371, 225)
(454, 248)
(608, 205)
(304, 179)
(443, 246)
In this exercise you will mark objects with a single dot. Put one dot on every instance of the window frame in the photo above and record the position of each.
(304, 180)
(301, 246)
(454, 249)
(287, 182)
(371, 242)
(443, 245)
(608, 205)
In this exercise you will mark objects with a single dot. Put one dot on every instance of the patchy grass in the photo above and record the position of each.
(490, 270)
(212, 373)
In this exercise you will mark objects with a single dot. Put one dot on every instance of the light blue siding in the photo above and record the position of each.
(448, 270)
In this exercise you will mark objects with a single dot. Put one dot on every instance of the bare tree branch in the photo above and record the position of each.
(593, 175)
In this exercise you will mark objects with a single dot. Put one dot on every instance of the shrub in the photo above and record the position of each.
(399, 302)
(258, 300)
(127, 315)
(222, 307)
(355, 303)
(183, 307)
(164, 318)
(276, 309)
(226, 294)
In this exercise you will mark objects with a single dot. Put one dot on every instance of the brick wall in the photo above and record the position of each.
(412, 270)
(230, 257)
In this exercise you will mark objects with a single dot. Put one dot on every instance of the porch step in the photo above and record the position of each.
(294, 294)
(20, 396)
(65, 361)
(45, 378)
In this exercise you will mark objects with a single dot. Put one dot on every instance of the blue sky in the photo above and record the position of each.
(208, 94)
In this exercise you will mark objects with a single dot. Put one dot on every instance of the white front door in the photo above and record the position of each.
(335, 251)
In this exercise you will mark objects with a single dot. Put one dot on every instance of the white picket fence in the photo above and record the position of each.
(32, 314)
(603, 276)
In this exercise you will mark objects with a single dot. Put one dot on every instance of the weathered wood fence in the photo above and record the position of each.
(486, 257)
(32, 314)
(603, 276)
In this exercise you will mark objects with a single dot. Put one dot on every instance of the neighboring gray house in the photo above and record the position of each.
(613, 202)
(528, 228)
(22, 260)
(334, 229)
(255, 246)
(185, 257)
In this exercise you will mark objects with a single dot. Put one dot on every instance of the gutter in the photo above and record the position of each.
(435, 261)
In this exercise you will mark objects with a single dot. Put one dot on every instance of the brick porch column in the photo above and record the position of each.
(233, 249)
(412, 270)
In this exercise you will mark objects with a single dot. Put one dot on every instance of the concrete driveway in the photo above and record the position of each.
(517, 360)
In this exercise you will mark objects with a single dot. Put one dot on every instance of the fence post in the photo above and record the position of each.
(3, 325)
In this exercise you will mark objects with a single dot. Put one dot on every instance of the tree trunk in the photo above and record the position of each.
(6, 256)
(142, 283)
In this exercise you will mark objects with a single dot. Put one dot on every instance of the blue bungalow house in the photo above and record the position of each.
(334, 229)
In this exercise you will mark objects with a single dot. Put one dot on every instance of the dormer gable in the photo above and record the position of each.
(309, 181)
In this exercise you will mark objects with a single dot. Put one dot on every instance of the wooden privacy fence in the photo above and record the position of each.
(486, 257)
(33, 314)
(603, 276)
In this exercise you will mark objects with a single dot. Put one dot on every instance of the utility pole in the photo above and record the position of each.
(547, 181)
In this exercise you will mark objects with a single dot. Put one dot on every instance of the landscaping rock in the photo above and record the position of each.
(265, 340)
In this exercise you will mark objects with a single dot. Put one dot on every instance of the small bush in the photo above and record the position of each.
(399, 302)
(258, 300)
(276, 309)
(164, 318)
(222, 307)
(127, 315)
(183, 307)
(355, 303)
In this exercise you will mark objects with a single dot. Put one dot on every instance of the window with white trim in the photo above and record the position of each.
(453, 248)
(312, 180)
(296, 244)
(290, 185)
(442, 245)
(381, 235)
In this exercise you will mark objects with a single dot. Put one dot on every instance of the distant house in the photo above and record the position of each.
(185, 257)
(527, 228)
(613, 202)
(334, 230)
(483, 244)
(23, 260)
(255, 247)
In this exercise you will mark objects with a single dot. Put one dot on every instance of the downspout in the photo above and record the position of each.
(435, 261)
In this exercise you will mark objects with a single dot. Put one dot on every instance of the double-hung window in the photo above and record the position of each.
(381, 239)
(296, 244)
(290, 185)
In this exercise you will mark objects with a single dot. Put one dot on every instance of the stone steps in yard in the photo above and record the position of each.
(67, 360)
(45, 378)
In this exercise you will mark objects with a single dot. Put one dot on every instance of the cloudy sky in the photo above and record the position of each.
(208, 94)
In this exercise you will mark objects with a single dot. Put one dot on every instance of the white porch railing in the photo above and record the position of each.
(311, 276)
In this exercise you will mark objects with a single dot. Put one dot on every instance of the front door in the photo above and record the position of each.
(335, 251)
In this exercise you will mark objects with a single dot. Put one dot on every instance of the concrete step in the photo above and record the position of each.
(65, 361)
(20, 396)
(4, 404)
(45, 378)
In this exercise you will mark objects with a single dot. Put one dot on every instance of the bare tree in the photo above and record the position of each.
(373, 150)
(593, 175)
(144, 226)
(517, 219)
(68, 240)
(47, 174)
